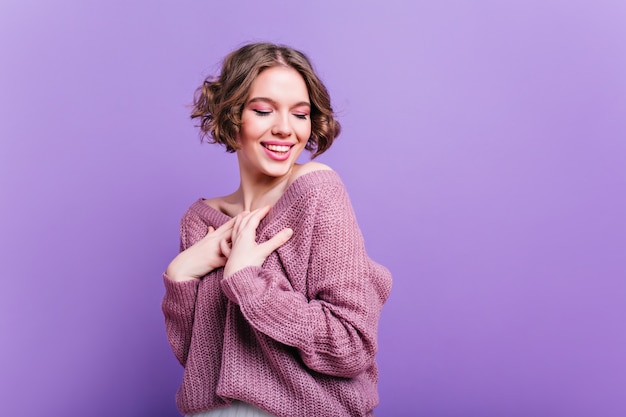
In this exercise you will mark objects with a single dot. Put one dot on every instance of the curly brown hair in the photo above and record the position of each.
(219, 102)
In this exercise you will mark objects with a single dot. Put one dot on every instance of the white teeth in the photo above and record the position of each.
(277, 148)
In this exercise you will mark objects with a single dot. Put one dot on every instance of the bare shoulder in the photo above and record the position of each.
(223, 204)
(215, 202)
(310, 167)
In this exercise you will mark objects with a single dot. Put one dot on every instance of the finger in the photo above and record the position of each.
(225, 230)
(237, 224)
(220, 232)
(209, 231)
(276, 241)
(253, 219)
(228, 225)
(248, 224)
(225, 247)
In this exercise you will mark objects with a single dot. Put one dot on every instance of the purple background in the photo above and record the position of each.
(484, 148)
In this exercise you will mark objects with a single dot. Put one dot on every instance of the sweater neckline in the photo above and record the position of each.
(293, 191)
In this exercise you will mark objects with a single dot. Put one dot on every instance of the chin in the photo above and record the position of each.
(279, 172)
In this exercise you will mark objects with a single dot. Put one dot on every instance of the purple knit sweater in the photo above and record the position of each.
(296, 337)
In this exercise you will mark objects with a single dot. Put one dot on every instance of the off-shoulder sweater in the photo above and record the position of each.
(296, 337)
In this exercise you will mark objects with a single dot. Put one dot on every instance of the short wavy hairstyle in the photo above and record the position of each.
(219, 102)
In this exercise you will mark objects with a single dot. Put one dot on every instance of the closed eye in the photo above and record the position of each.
(301, 116)
(261, 112)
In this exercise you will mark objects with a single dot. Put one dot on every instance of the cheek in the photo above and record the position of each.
(251, 128)
(304, 131)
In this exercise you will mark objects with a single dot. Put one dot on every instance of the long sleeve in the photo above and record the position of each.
(295, 337)
(178, 308)
(333, 327)
(180, 299)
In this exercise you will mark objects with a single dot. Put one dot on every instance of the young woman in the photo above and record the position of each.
(272, 305)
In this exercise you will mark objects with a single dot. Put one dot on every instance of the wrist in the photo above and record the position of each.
(177, 276)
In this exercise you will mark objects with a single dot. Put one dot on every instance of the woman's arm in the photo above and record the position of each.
(178, 308)
(195, 260)
(335, 328)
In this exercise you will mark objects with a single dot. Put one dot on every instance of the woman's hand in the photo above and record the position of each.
(202, 257)
(244, 251)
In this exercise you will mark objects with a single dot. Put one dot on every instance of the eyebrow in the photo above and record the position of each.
(273, 102)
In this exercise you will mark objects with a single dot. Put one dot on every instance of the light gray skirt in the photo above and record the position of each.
(236, 409)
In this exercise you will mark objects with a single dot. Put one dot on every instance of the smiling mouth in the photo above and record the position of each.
(277, 148)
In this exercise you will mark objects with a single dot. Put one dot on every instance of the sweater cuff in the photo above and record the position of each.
(180, 293)
(244, 285)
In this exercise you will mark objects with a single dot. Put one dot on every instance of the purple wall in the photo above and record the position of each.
(484, 148)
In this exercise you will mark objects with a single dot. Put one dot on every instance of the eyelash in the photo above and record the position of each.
(267, 113)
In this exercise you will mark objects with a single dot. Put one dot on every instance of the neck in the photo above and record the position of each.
(260, 191)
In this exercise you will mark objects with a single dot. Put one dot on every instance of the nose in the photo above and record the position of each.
(282, 127)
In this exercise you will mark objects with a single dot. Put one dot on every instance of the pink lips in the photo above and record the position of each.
(277, 156)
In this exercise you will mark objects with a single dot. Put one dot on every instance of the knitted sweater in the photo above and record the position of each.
(295, 337)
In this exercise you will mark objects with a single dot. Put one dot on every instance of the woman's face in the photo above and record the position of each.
(275, 123)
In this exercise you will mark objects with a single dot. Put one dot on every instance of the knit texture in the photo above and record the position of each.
(296, 337)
